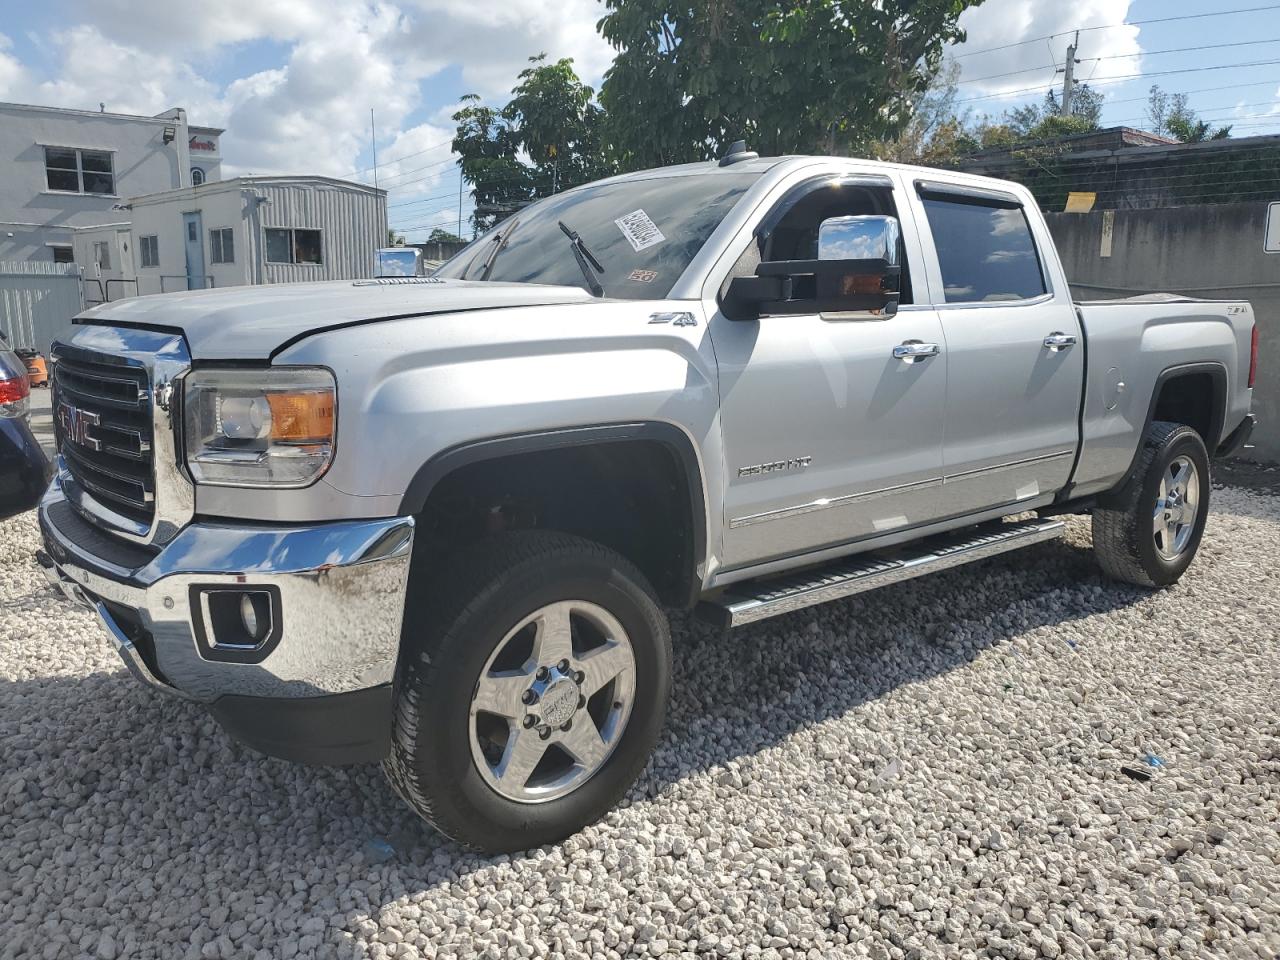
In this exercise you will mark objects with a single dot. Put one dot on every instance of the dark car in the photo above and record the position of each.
(24, 469)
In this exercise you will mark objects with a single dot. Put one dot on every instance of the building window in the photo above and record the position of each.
(293, 246)
(197, 176)
(79, 171)
(150, 247)
(62, 253)
(222, 245)
(306, 246)
(102, 254)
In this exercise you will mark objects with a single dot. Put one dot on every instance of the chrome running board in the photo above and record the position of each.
(748, 602)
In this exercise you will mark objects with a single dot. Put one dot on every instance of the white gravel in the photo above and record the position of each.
(931, 771)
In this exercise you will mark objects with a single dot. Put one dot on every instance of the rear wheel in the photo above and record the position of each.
(1149, 532)
(533, 689)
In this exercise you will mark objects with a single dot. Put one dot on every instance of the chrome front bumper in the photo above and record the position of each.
(341, 591)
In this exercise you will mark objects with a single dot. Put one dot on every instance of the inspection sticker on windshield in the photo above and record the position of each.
(641, 232)
(643, 276)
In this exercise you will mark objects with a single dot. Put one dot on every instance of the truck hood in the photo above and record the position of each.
(254, 323)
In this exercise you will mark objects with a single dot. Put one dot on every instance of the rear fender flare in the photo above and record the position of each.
(1218, 374)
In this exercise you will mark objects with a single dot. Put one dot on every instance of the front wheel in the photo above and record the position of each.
(1149, 532)
(533, 687)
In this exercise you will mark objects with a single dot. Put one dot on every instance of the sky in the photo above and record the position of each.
(293, 81)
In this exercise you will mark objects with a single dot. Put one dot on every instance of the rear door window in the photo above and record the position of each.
(985, 250)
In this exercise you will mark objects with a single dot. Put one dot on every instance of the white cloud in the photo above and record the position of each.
(998, 23)
(308, 112)
(312, 114)
(191, 27)
(11, 73)
(97, 71)
(493, 41)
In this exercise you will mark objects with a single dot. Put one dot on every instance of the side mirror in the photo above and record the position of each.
(859, 259)
(857, 270)
(859, 238)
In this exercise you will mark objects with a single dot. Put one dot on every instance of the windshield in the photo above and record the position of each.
(643, 232)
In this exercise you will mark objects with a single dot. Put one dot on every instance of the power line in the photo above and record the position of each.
(427, 166)
(1112, 26)
(1230, 86)
(426, 226)
(1130, 76)
(407, 156)
(1212, 110)
(1124, 56)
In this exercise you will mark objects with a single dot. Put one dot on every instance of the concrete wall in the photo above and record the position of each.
(37, 216)
(1212, 251)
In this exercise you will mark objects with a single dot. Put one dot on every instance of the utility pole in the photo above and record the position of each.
(459, 203)
(1069, 76)
(373, 141)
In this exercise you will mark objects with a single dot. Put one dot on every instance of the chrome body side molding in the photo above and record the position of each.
(828, 502)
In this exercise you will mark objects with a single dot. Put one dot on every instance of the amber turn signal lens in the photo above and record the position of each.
(301, 417)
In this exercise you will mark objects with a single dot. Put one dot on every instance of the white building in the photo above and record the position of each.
(247, 230)
(62, 169)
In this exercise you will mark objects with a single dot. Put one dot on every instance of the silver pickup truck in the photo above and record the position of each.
(435, 522)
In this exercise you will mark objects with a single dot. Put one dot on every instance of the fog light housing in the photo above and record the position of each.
(239, 624)
(255, 615)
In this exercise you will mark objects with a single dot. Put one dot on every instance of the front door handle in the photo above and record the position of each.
(913, 351)
(1058, 341)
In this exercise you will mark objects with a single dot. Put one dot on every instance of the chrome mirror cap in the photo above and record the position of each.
(859, 238)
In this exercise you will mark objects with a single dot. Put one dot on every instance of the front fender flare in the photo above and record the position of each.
(676, 440)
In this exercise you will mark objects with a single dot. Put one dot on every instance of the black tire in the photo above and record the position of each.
(454, 625)
(1123, 539)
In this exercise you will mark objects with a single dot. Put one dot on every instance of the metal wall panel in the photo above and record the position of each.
(352, 225)
(37, 302)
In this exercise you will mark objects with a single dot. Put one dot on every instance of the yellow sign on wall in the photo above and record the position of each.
(1080, 202)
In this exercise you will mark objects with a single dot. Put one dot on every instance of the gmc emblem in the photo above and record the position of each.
(75, 424)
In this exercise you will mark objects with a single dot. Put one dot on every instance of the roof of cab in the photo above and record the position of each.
(781, 165)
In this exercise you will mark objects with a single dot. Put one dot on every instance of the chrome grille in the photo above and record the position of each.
(103, 423)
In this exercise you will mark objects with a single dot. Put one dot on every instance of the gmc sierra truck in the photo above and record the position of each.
(435, 522)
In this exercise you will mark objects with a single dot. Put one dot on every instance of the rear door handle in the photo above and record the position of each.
(913, 351)
(1058, 341)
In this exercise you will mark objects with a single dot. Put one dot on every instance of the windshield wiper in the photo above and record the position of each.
(499, 242)
(586, 261)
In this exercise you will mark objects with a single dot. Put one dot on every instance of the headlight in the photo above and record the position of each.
(259, 428)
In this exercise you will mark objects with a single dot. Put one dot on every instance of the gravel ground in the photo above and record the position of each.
(938, 769)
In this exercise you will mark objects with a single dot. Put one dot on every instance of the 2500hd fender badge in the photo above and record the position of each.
(795, 463)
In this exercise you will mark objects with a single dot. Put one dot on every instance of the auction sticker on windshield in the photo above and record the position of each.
(640, 231)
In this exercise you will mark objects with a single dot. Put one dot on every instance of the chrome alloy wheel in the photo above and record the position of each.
(552, 701)
(1176, 507)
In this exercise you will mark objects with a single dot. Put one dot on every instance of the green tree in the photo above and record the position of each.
(937, 134)
(1171, 115)
(488, 146)
(547, 138)
(1045, 120)
(823, 76)
(559, 123)
(440, 235)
